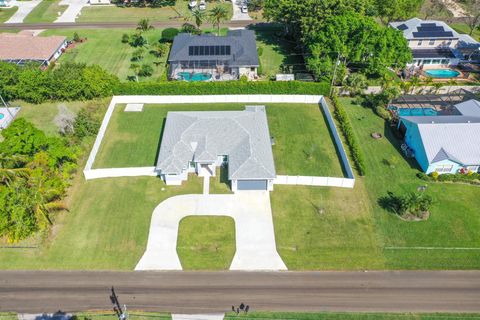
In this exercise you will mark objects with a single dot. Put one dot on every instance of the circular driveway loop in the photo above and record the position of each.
(255, 237)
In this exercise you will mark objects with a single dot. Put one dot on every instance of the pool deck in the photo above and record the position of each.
(9, 116)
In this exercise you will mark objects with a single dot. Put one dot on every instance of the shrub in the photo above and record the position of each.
(169, 34)
(221, 87)
(190, 28)
(138, 54)
(85, 124)
(260, 51)
(352, 141)
(146, 70)
(434, 175)
(76, 37)
(125, 38)
(137, 40)
(383, 113)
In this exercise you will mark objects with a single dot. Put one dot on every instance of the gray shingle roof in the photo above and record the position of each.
(242, 42)
(456, 138)
(203, 135)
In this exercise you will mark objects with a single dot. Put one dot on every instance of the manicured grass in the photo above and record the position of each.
(104, 47)
(106, 226)
(45, 11)
(175, 10)
(206, 243)
(279, 55)
(6, 13)
(349, 316)
(454, 219)
(220, 183)
(463, 28)
(303, 145)
(43, 115)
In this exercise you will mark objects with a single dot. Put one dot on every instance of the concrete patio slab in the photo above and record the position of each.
(255, 237)
(24, 8)
(134, 107)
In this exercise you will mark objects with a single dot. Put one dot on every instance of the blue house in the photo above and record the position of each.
(5, 3)
(445, 144)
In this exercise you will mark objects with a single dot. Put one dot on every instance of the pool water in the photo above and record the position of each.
(2, 116)
(417, 112)
(442, 73)
(187, 76)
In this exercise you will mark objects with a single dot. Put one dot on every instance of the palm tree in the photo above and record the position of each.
(415, 82)
(428, 82)
(136, 70)
(198, 17)
(450, 83)
(217, 15)
(437, 86)
(144, 26)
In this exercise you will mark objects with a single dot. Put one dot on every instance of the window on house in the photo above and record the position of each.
(444, 168)
(449, 42)
(419, 43)
(431, 42)
(472, 168)
(436, 61)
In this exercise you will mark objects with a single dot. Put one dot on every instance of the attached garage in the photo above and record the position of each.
(252, 184)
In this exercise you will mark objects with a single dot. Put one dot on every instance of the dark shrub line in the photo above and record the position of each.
(352, 141)
(471, 178)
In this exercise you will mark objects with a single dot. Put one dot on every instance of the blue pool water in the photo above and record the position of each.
(417, 112)
(187, 76)
(442, 73)
(2, 116)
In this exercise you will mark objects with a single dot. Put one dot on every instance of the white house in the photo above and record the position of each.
(434, 43)
(200, 141)
(445, 144)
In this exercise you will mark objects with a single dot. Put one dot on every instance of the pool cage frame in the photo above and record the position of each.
(215, 67)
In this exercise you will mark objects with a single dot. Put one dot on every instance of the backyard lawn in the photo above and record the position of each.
(45, 11)
(6, 13)
(303, 145)
(175, 10)
(206, 243)
(348, 316)
(105, 48)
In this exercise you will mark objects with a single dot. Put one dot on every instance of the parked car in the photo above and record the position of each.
(202, 6)
(192, 4)
(244, 8)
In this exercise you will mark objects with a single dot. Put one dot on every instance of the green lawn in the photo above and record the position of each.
(454, 219)
(104, 47)
(463, 28)
(206, 243)
(349, 316)
(6, 13)
(279, 55)
(303, 145)
(45, 11)
(175, 10)
(43, 115)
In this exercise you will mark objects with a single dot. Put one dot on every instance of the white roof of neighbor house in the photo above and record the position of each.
(456, 138)
(202, 136)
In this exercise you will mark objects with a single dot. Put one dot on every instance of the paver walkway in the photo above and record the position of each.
(24, 8)
(237, 12)
(73, 10)
(255, 237)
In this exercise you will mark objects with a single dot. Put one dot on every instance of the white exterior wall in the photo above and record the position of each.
(175, 179)
(58, 53)
(246, 71)
(442, 43)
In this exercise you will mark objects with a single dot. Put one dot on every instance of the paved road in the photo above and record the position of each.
(103, 25)
(202, 292)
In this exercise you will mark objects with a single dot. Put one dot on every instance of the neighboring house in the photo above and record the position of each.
(434, 43)
(210, 57)
(24, 47)
(201, 141)
(5, 3)
(445, 144)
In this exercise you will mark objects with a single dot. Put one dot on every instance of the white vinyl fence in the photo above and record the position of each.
(90, 173)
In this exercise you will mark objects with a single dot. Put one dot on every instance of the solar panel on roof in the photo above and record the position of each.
(402, 27)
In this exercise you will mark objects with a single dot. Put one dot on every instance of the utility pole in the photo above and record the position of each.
(121, 313)
(334, 73)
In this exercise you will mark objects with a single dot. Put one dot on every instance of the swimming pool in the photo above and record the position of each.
(442, 73)
(187, 76)
(417, 112)
(2, 116)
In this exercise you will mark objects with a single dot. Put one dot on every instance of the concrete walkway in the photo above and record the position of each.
(212, 316)
(238, 15)
(73, 10)
(24, 8)
(206, 184)
(255, 237)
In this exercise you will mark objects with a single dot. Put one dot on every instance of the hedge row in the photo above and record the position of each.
(470, 178)
(352, 141)
(221, 87)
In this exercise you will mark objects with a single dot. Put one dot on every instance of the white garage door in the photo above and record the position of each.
(252, 184)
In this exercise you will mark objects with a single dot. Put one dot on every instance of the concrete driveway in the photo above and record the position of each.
(255, 237)
(237, 12)
(24, 8)
(73, 10)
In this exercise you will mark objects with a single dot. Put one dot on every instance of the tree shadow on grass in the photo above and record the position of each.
(390, 202)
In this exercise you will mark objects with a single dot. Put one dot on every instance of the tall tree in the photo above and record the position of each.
(391, 10)
(217, 15)
(198, 17)
(473, 18)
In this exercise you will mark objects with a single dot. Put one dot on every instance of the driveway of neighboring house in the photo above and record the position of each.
(237, 12)
(24, 8)
(73, 10)
(255, 237)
